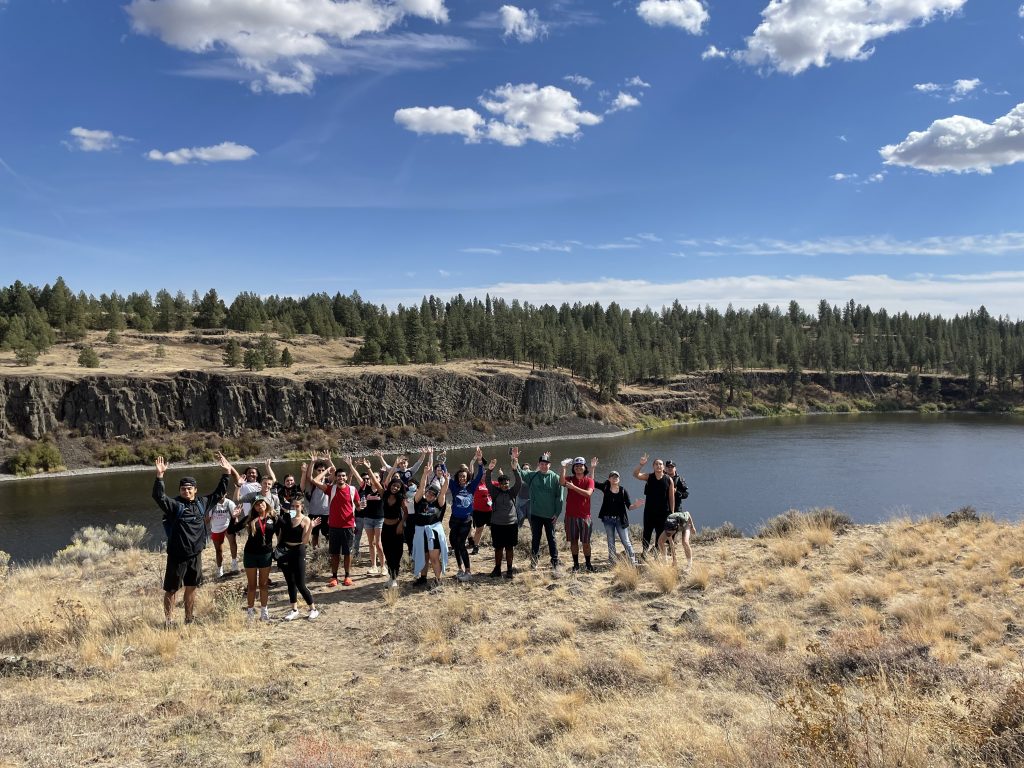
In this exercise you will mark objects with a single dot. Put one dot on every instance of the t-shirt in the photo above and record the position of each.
(427, 513)
(656, 492)
(463, 495)
(244, 490)
(373, 503)
(319, 504)
(220, 516)
(614, 506)
(576, 504)
(482, 498)
(343, 500)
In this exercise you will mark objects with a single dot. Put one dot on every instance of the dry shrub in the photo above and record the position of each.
(664, 576)
(1003, 743)
(853, 561)
(789, 551)
(625, 576)
(793, 583)
(749, 669)
(94, 544)
(819, 536)
(795, 521)
(966, 514)
(698, 578)
(604, 615)
(560, 667)
(710, 535)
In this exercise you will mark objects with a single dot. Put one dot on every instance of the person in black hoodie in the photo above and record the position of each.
(185, 517)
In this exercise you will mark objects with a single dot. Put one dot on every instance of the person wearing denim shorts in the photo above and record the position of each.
(578, 525)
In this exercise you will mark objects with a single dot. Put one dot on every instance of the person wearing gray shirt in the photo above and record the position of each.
(504, 520)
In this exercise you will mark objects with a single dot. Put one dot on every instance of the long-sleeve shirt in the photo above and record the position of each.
(187, 519)
(462, 495)
(504, 510)
(546, 493)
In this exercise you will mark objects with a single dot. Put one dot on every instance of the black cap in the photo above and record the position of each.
(670, 463)
(187, 481)
(545, 457)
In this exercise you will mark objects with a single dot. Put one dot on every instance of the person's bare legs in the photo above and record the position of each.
(435, 562)
(170, 598)
(190, 603)
(686, 547)
(376, 550)
(264, 575)
(250, 591)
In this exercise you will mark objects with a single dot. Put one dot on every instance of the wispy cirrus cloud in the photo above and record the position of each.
(1002, 244)
(227, 151)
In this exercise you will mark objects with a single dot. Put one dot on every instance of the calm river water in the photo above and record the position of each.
(871, 466)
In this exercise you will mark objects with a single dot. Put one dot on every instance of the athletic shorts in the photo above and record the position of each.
(322, 528)
(188, 573)
(504, 535)
(257, 559)
(579, 529)
(341, 541)
(218, 538)
(373, 523)
(481, 519)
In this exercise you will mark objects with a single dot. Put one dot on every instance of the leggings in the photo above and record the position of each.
(653, 524)
(392, 541)
(294, 568)
(458, 530)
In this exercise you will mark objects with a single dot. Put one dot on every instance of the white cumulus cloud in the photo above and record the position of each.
(955, 91)
(463, 122)
(524, 25)
(279, 41)
(224, 152)
(637, 82)
(713, 52)
(796, 34)
(91, 140)
(623, 101)
(690, 15)
(520, 113)
(962, 144)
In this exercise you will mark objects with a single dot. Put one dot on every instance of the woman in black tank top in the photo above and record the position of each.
(296, 531)
(393, 504)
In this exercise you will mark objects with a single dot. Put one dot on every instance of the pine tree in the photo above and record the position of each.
(233, 354)
(88, 358)
(286, 358)
(253, 360)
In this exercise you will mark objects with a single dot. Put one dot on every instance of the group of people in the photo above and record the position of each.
(402, 507)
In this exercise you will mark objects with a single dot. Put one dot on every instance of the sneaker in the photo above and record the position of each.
(234, 565)
(265, 614)
(220, 571)
(534, 563)
(333, 582)
(591, 568)
(251, 614)
(576, 569)
(421, 581)
(170, 624)
(496, 572)
(292, 615)
(460, 576)
(347, 582)
(191, 620)
(476, 550)
(392, 584)
(508, 575)
(313, 613)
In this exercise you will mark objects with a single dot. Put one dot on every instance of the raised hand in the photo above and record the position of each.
(515, 453)
(478, 456)
(220, 457)
(493, 463)
(593, 462)
(161, 466)
(304, 467)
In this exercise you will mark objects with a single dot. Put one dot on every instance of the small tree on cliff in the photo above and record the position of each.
(88, 358)
(286, 358)
(254, 360)
(233, 354)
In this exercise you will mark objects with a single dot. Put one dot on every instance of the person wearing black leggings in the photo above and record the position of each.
(392, 537)
(296, 531)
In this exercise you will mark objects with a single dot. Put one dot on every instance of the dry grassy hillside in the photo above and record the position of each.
(892, 645)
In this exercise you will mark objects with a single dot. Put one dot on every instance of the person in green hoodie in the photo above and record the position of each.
(546, 499)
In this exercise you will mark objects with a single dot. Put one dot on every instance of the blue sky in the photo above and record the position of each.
(633, 151)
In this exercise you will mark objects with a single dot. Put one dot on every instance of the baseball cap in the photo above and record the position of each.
(670, 463)
(545, 457)
(614, 472)
(579, 460)
(434, 486)
(186, 481)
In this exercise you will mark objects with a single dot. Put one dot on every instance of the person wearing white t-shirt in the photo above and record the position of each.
(218, 518)
(249, 482)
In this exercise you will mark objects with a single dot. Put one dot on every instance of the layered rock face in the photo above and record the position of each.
(113, 406)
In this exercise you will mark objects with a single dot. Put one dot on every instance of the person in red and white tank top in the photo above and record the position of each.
(341, 520)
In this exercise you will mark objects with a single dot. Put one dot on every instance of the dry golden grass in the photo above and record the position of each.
(625, 576)
(743, 663)
(663, 575)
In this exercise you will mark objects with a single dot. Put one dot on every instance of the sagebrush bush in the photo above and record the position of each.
(93, 544)
(795, 520)
(42, 456)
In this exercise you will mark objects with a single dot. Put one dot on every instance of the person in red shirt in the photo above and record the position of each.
(578, 526)
(341, 521)
(483, 506)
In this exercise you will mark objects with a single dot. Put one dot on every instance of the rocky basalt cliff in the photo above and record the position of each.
(114, 406)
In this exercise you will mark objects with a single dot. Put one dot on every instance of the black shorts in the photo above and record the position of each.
(322, 528)
(180, 573)
(341, 541)
(481, 519)
(504, 535)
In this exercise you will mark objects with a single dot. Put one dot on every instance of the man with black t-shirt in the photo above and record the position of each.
(660, 498)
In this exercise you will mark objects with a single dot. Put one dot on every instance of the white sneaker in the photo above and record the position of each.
(265, 614)
(251, 614)
(373, 571)
(292, 615)
(220, 571)
(393, 584)
(313, 613)
(234, 565)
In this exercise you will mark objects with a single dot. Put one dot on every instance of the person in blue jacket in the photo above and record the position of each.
(186, 538)
(461, 523)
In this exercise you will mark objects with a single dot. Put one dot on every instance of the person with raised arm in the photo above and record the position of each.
(659, 499)
(578, 525)
(461, 521)
(394, 508)
(319, 504)
(504, 519)
(296, 530)
(258, 554)
(343, 498)
(369, 517)
(430, 545)
(546, 499)
(186, 518)
(615, 508)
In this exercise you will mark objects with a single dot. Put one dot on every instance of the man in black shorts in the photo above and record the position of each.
(659, 500)
(186, 516)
